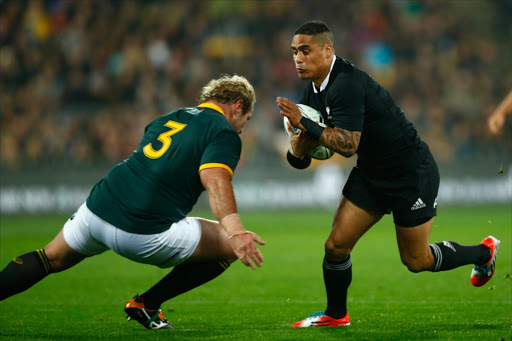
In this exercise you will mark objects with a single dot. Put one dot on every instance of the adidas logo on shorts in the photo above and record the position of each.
(418, 204)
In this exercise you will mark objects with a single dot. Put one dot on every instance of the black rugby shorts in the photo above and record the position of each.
(411, 195)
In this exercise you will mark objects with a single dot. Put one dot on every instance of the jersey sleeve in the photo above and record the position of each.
(346, 103)
(223, 151)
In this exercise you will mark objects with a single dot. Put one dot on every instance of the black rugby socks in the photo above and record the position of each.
(450, 255)
(182, 278)
(23, 272)
(337, 279)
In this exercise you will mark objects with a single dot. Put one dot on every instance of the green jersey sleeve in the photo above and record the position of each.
(223, 151)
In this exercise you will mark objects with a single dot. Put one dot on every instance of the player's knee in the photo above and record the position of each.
(60, 261)
(416, 264)
(335, 251)
(57, 265)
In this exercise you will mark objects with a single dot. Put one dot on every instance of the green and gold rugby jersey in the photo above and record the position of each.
(159, 183)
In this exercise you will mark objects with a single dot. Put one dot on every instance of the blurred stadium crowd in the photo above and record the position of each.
(79, 80)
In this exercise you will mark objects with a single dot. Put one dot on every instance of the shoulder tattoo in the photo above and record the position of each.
(342, 141)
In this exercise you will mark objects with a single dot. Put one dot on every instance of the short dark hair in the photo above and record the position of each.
(312, 28)
(316, 28)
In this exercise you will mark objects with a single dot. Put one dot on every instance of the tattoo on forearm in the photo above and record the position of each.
(342, 141)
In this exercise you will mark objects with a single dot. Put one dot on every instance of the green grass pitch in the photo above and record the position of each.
(386, 302)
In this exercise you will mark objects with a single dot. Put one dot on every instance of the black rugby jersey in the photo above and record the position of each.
(354, 101)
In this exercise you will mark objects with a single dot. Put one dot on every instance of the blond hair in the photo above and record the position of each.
(229, 89)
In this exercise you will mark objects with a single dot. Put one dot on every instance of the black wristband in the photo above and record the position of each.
(313, 129)
(298, 162)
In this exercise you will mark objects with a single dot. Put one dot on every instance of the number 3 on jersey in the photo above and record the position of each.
(165, 138)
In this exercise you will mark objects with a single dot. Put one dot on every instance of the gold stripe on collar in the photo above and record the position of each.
(211, 106)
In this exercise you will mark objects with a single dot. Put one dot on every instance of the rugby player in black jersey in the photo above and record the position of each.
(139, 209)
(395, 172)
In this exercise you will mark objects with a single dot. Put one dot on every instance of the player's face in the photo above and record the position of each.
(240, 121)
(311, 60)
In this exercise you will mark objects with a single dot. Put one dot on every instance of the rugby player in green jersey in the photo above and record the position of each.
(395, 171)
(139, 210)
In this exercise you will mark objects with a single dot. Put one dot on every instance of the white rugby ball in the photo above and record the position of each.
(320, 152)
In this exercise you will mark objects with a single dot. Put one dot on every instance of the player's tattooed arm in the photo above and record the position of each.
(342, 141)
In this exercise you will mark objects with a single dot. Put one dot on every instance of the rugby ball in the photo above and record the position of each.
(320, 152)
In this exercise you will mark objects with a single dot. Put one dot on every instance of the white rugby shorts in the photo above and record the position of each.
(89, 235)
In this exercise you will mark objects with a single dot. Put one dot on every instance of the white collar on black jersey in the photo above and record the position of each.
(326, 80)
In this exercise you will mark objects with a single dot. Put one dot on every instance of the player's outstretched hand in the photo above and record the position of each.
(495, 123)
(291, 111)
(244, 246)
(497, 120)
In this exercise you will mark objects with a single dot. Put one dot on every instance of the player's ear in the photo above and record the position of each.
(328, 50)
(239, 107)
